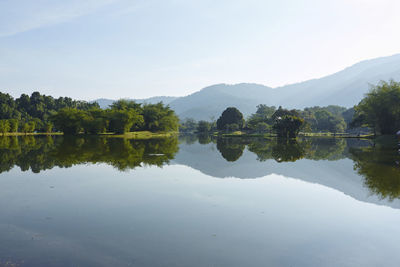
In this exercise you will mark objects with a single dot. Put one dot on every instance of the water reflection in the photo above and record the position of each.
(379, 165)
(41, 153)
(231, 149)
(334, 162)
(375, 161)
(284, 150)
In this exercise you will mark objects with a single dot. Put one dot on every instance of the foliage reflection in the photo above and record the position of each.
(41, 153)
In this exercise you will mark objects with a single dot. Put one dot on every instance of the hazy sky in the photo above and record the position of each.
(89, 49)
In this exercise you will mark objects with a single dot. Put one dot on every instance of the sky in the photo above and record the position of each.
(90, 49)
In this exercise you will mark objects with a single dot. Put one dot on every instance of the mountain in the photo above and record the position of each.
(105, 103)
(344, 88)
(335, 174)
(211, 101)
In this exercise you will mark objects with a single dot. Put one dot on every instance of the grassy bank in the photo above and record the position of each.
(268, 135)
(24, 134)
(129, 135)
(141, 135)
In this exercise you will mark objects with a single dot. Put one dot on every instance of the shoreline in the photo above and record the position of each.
(310, 135)
(128, 135)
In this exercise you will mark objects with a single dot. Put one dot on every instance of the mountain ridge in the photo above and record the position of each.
(344, 88)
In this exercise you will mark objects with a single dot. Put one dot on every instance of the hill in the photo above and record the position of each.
(105, 103)
(344, 88)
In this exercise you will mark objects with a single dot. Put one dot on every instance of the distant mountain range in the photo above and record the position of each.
(344, 88)
(105, 103)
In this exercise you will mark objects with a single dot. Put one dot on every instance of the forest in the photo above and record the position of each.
(41, 113)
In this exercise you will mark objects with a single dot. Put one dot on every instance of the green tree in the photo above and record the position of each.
(380, 109)
(48, 127)
(189, 125)
(121, 121)
(288, 126)
(230, 117)
(69, 120)
(158, 117)
(280, 112)
(262, 127)
(31, 126)
(124, 104)
(326, 121)
(4, 126)
(13, 125)
(262, 115)
(204, 127)
(25, 128)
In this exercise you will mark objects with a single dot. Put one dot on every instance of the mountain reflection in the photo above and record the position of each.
(377, 162)
(333, 162)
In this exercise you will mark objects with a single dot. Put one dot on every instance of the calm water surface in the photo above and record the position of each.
(199, 202)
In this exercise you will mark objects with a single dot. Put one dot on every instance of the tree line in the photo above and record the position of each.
(378, 112)
(122, 116)
(269, 119)
(47, 114)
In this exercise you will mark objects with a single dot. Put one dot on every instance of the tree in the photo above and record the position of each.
(48, 127)
(31, 126)
(262, 115)
(326, 121)
(158, 117)
(231, 116)
(4, 126)
(265, 111)
(8, 109)
(280, 112)
(25, 128)
(124, 104)
(203, 127)
(288, 126)
(188, 126)
(121, 121)
(380, 109)
(69, 120)
(13, 125)
(262, 127)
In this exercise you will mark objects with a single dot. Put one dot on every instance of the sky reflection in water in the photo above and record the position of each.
(307, 207)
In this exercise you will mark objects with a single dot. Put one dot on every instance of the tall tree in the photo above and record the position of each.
(380, 109)
(231, 116)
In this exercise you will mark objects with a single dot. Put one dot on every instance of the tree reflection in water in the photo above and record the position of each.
(41, 153)
(380, 167)
(377, 162)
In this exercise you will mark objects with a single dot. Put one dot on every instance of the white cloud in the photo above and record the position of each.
(18, 16)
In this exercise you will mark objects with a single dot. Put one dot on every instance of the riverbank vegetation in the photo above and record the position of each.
(269, 120)
(380, 109)
(377, 113)
(45, 114)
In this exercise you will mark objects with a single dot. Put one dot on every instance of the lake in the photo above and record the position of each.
(199, 201)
